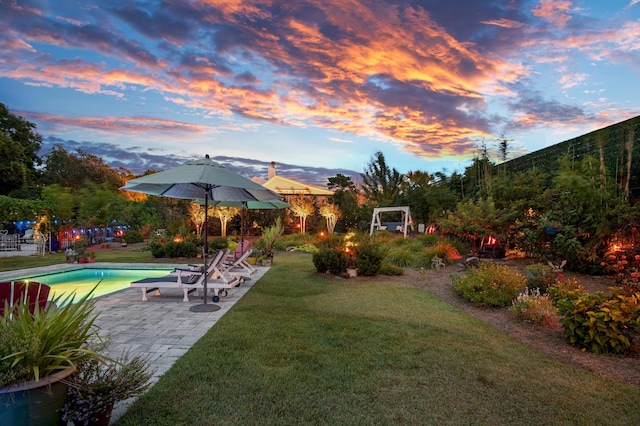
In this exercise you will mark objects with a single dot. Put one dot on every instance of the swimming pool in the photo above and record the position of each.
(83, 280)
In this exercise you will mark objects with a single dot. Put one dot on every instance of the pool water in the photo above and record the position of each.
(83, 280)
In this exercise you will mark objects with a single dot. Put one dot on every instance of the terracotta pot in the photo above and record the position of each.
(82, 260)
(35, 403)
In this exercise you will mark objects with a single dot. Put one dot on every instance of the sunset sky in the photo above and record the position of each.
(317, 86)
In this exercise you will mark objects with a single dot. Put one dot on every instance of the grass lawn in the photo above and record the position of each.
(303, 349)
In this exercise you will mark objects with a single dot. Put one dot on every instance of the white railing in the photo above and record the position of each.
(9, 242)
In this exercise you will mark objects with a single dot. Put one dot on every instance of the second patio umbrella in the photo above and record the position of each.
(201, 179)
(249, 205)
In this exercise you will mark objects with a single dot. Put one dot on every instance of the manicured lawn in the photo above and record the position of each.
(304, 349)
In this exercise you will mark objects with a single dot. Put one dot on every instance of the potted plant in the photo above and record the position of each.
(268, 241)
(83, 258)
(71, 254)
(257, 255)
(37, 352)
(91, 256)
(98, 384)
(80, 245)
(352, 265)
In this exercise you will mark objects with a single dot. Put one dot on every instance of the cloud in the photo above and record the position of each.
(554, 11)
(418, 76)
(504, 23)
(340, 140)
(139, 160)
(121, 125)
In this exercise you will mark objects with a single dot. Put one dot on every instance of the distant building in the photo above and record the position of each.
(289, 187)
(618, 146)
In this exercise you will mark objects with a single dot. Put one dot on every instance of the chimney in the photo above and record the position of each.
(272, 170)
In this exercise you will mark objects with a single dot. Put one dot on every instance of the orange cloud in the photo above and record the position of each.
(385, 71)
(554, 11)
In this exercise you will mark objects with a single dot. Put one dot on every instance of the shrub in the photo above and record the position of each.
(561, 288)
(390, 269)
(444, 250)
(173, 249)
(307, 248)
(406, 257)
(297, 240)
(626, 269)
(132, 237)
(600, 323)
(489, 285)
(535, 307)
(331, 260)
(329, 241)
(181, 249)
(218, 243)
(540, 276)
(157, 249)
(369, 255)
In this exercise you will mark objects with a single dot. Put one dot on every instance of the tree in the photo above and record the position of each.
(477, 176)
(474, 220)
(346, 197)
(225, 214)
(331, 212)
(12, 209)
(302, 207)
(13, 172)
(415, 186)
(98, 205)
(381, 184)
(73, 170)
(197, 216)
(20, 141)
(341, 182)
(62, 202)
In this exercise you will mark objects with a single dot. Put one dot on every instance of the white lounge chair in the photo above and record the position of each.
(241, 266)
(189, 280)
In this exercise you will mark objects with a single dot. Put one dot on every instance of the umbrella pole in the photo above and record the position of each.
(244, 203)
(205, 307)
(204, 246)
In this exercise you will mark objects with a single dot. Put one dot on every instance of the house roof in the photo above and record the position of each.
(285, 186)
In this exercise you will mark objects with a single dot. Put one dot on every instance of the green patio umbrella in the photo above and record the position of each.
(248, 205)
(201, 179)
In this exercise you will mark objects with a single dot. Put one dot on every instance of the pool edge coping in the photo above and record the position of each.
(73, 266)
